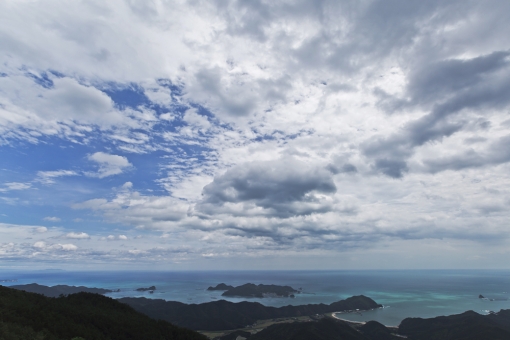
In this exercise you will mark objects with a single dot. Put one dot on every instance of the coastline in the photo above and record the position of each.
(359, 323)
(333, 315)
(383, 286)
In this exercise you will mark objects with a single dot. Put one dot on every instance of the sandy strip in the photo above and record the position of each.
(356, 322)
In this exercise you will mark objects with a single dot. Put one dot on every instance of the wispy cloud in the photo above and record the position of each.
(15, 186)
(49, 177)
(52, 219)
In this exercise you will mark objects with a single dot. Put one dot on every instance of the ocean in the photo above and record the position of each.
(404, 293)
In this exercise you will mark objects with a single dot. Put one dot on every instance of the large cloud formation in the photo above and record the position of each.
(216, 130)
(280, 188)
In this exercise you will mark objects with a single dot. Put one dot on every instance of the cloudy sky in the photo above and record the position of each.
(254, 134)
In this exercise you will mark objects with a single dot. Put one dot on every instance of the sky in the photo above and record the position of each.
(193, 135)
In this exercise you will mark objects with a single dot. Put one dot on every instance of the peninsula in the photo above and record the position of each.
(224, 315)
(58, 290)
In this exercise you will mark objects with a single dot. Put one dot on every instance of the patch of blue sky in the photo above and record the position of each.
(43, 79)
(126, 95)
(24, 162)
(34, 207)
(37, 167)
(175, 90)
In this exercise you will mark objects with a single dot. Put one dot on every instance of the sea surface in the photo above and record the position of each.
(404, 293)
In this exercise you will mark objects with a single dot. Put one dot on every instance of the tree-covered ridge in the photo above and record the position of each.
(223, 315)
(466, 326)
(89, 316)
(325, 329)
(259, 291)
(58, 290)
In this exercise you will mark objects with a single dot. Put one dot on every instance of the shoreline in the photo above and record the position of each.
(333, 315)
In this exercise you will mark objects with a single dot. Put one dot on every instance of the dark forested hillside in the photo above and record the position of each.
(325, 329)
(465, 326)
(222, 315)
(31, 316)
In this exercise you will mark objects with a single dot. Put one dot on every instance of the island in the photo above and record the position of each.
(251, 290)
(221, 286)
(151, 288)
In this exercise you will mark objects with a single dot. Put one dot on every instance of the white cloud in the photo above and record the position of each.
(78, 235)
(68, 247)
(41, 229)
(281, 126)
(109, 165)
(193, 118)
(39, 245)
(52, 219)
(115, 238)
(48, 177)
(15, 186)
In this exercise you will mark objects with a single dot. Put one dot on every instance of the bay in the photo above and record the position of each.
(404, 293)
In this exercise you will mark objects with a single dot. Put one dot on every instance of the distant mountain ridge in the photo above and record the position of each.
(56, 291)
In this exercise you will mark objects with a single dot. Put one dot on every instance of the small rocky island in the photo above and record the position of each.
(250, 290)
(151, 288)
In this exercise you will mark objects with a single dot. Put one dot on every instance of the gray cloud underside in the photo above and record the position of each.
(329, 125)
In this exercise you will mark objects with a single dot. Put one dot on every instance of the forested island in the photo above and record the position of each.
(250, 290)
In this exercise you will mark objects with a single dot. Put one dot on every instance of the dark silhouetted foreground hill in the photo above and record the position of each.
(325, 329)
(223, 315)
(32, 316)
(56, 291)
(465, 326)
(377, 331)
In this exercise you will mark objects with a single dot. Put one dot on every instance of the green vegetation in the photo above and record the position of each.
(465, 326)
(376, 330)
(324, 329)
(56, 291)
(88, 316)
(224, 315)
(251, 290)
(221, 286)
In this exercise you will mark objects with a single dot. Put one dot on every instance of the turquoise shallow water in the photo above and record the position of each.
(404, 293)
